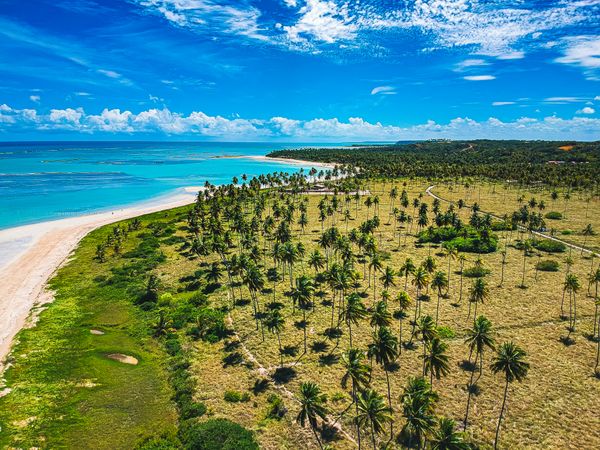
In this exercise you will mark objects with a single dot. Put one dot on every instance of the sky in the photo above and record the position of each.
(299, 70)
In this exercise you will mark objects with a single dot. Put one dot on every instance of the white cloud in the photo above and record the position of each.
(470, 63)
(35, 98)
(512, 55)
(383, 90)
(563, 100)
(597, 98)
(324, 21)
(583, 51)
(109, 73)
(82, 94)
(479, 77)
(166, 122)
(502, 103)
(586, 110)
(290, 3)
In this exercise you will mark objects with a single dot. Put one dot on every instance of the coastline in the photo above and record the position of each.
(41, 248)
(31, 254)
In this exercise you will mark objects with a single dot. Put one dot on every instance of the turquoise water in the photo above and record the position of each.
(43, 181)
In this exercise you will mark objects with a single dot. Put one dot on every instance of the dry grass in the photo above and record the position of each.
(555, 407)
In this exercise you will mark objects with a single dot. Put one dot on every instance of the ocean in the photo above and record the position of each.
(42, 181)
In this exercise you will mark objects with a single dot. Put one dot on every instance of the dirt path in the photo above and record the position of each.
(537, 233)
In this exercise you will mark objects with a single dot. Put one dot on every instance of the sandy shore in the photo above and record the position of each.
(30, 254)
(291, 162)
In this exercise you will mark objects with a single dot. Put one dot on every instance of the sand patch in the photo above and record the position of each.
(23, 423)
(125, 359)
(5, 392)
(86, 384)
(97, 332)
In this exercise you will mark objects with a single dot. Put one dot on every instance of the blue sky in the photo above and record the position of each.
(299, 70)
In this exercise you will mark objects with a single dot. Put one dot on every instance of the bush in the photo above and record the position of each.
(547, 265)
(236, 396)
(160, 443)
(549, 246)
(216, 434)
(276, 407)
(445, 332)
(211, 325)
(476, 272)
(554, 215)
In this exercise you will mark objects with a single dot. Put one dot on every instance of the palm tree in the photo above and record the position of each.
(418, 403)
(594, 279)
(478, 339)
(385, 350)
(477, 294)
(436, 359)
(357, 371)
(571, 285)
(526, 249)
(404, 302)
(408, 268)
(380, 316)
(214, 273)
(440, 283)
(420, 281)
(316, 260)
(445, 437)
(373, 412)
(275, 324)
(353, 311)
(510, 360)
(428, 331)
(302, 294)
(451, 253)
(503, 264)
(388, 278)
(461, 259)
(252, 277)
(312, 407)
(587, 232)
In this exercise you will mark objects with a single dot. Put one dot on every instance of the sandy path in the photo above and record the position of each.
(38, 250)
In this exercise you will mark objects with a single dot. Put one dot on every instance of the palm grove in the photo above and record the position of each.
(321, 280)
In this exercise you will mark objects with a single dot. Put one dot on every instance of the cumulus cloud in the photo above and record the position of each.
(35, 98)
(479, 77)
(586, 110)
(165, 122)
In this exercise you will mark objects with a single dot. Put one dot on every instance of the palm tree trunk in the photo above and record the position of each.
(356, 406)
(501, 414)
(437, 311)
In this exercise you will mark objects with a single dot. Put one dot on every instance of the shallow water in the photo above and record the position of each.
(44, 181)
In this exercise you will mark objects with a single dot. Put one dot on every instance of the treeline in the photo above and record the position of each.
(576, 164)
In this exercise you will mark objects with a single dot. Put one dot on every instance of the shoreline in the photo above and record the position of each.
(31, 254)
(45, 246)
(291, 162)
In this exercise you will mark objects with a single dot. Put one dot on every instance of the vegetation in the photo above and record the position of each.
(337, 317)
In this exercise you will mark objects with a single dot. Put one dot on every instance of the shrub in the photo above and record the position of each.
(547, 265)
(189, 410)
(445, 332)
(276, 408)
(554, 215)
(476, 272)
(160, 443)
(216, 434)
(210, 325)
(549, 246)
(236, 396)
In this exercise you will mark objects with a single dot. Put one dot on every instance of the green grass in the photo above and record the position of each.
(65, 391)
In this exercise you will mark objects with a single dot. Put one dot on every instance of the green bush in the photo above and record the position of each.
(160, 443)
(549, 246)
(445, 332)
(476, 272)
(554, 215)
(236, 396)
(210, 325)
(216, 434)
(276, 408)
(547, 265)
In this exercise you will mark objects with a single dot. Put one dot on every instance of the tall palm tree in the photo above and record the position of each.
(594, 279)
(388, 278)
(587, 232)
(404, 302)
(526, 249)
(571, 285)
(407, 269)
(428, 331)
(439, 282)
(436, 359)
(461, 260)
(478, 293)
(385, 350)
(451, 254)
(373, 412)
(214, 273)
(420, 281)
(478, 339)
(353, 311)
(510, 361)
(380, 316)
(302, 295)
(445, 437)
(418, 404)
(359, 373)
(316, 260)
(252, 277)
(312, 407)
(275, 324)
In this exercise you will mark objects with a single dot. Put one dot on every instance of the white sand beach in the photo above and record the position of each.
(31, 254)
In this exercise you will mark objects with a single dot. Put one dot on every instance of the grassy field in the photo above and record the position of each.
(67, 393)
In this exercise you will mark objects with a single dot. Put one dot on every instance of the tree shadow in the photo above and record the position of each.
(467, 366)
(290, 350)
(233, 359)
(283, 375)
(260, 386)
(319, 346)
(329, 359)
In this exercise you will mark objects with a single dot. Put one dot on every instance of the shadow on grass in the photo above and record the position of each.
(283, 375)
